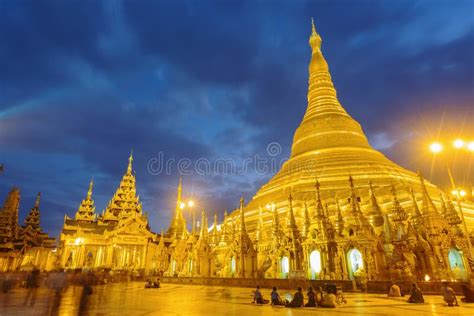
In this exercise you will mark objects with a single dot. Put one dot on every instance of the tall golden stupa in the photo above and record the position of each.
(329, 145)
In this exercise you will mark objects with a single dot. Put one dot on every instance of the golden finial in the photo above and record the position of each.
(314, 39)
(130, 160)
(38, 197)
(91, 185)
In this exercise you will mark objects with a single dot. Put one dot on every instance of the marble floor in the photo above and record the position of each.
(132, 299)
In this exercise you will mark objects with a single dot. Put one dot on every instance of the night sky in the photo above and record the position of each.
(82, 83)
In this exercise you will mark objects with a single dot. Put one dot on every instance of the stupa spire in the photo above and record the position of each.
(32, 220)
(125, 202)
(428, 206)
(86, 210)
(130, 161)
(375, 214)
(307, 222)
(242, 215)
(325, 118)
(339, 223)
(178, 222)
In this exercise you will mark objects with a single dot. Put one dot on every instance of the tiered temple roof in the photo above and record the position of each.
(125, 202)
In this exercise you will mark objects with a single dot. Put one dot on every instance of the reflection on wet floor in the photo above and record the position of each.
(133, 299)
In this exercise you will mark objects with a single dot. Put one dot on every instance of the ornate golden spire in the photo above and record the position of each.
(375, 214)
(38, 198)
(428, 206)
(178, 222)
(242, 215)
(130, 161)
(125, 202)
(307, 222)
(86, 211)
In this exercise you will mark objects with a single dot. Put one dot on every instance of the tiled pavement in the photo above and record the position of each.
(133, 299)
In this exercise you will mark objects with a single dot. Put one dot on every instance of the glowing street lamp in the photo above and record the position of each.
(470, 146)
(191, 203)
(458, 143)
(436, 147)
(182, 205)
(459, 193)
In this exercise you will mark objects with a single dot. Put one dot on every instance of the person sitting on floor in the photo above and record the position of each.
(319, 296)
(157, 283)
(394, 291)
(448, 295)
(468, 294)
(276, 298)
(258, 297)
(415, 295)
(298, 300)
(329, 301)
(311, 298)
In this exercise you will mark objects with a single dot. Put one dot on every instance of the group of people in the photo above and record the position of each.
(449, 296)
(152, 284)
(315, 298)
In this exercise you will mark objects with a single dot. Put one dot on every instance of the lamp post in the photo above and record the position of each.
(458, 193)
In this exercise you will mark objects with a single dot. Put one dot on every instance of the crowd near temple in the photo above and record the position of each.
(336, 210)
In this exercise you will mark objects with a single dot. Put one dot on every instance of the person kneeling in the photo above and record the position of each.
(298, 300)
(415, 295)
(448, 295)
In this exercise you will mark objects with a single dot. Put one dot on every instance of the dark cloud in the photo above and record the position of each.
(83, 83)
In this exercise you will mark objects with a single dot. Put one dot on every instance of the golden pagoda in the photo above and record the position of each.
(119, 239)
(350, 212)
(26, 246)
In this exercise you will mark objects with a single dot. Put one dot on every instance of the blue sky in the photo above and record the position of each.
(84, 82)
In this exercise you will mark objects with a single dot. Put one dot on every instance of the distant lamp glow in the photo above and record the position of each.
(459, 193)
(267, 206)
(458, 143)
(436, 147)
(182, 205)
(470, 146)
(427, 277)
(191, 203)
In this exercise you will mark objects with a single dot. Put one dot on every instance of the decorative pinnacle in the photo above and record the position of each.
(314, 39)
(91, 185)
(130, 160)
(38, 197)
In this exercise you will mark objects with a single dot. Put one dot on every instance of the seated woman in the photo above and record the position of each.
(394, 291)
(157, 284)
(329, 301)
(311, 298)
(298, 300)
(148, 284)
(448, 295)
(415, 295)
(468, 294)
(319, 296)
(258, 297)
(276, 298)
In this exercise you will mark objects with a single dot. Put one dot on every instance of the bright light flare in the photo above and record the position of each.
(470, 146)
(427, 277)
(182, 205)
(191, 203)
(458, 143)
(436, 147)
